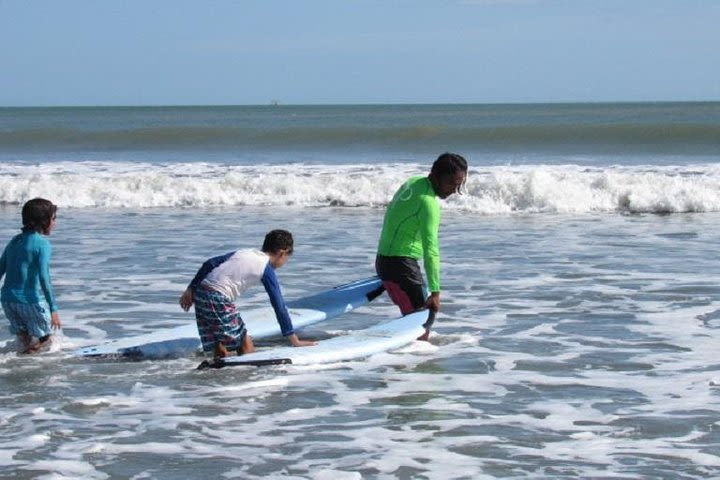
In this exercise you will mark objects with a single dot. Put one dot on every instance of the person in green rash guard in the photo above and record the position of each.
(410, 232)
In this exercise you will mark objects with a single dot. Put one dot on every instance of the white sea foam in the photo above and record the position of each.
(489, 190)
(61, 469)
(578, 346)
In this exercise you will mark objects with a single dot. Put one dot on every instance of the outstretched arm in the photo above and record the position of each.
(272, 287)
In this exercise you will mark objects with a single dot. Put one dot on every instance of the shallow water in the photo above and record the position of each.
(568, 346)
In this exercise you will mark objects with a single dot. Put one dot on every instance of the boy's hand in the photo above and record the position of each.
(186, 299)
(55, 320)
(296, 342)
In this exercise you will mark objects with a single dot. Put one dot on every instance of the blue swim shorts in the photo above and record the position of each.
(218, 320)
(32, 318)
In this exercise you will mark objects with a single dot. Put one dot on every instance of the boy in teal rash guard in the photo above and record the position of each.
(25, 263)
(410, 232)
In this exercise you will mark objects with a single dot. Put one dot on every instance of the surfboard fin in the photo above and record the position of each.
(214, 363)
(220, 363)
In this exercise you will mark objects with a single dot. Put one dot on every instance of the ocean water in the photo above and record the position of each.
(580, 325)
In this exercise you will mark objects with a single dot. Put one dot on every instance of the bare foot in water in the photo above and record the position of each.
(425, 337)
(42, 344)
(220, 350)
(247, 345)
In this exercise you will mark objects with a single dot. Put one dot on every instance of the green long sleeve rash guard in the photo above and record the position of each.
(410, 228)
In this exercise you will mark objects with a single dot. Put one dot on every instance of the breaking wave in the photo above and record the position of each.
(492, 190)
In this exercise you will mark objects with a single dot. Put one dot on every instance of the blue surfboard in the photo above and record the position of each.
(260, 322)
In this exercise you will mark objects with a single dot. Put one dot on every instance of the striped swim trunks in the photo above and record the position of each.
(218, 320)
(32, 318)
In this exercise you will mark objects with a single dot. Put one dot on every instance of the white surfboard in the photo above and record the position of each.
(260, 323)
(359, 344)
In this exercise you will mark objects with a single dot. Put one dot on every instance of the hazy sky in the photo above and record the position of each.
(181, 52)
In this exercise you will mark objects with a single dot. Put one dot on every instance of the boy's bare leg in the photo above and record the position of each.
(25, 342)
(42, 344)
(25, 339)
(220, 350)
(247, 345)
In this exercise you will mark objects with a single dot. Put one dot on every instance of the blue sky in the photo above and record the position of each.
(236, 52)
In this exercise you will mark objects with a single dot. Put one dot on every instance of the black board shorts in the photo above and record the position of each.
(403, 281)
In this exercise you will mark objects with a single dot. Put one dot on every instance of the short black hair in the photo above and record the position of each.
(37, 215)
(277, 240)
(449, 164)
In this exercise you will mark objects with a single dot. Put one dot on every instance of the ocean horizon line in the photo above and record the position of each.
(279, 104)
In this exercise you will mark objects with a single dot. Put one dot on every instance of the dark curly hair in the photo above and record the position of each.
(37, 214)
(449, 164)
(277, 240)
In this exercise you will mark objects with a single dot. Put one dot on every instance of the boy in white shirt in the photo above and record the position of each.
(222, 279)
